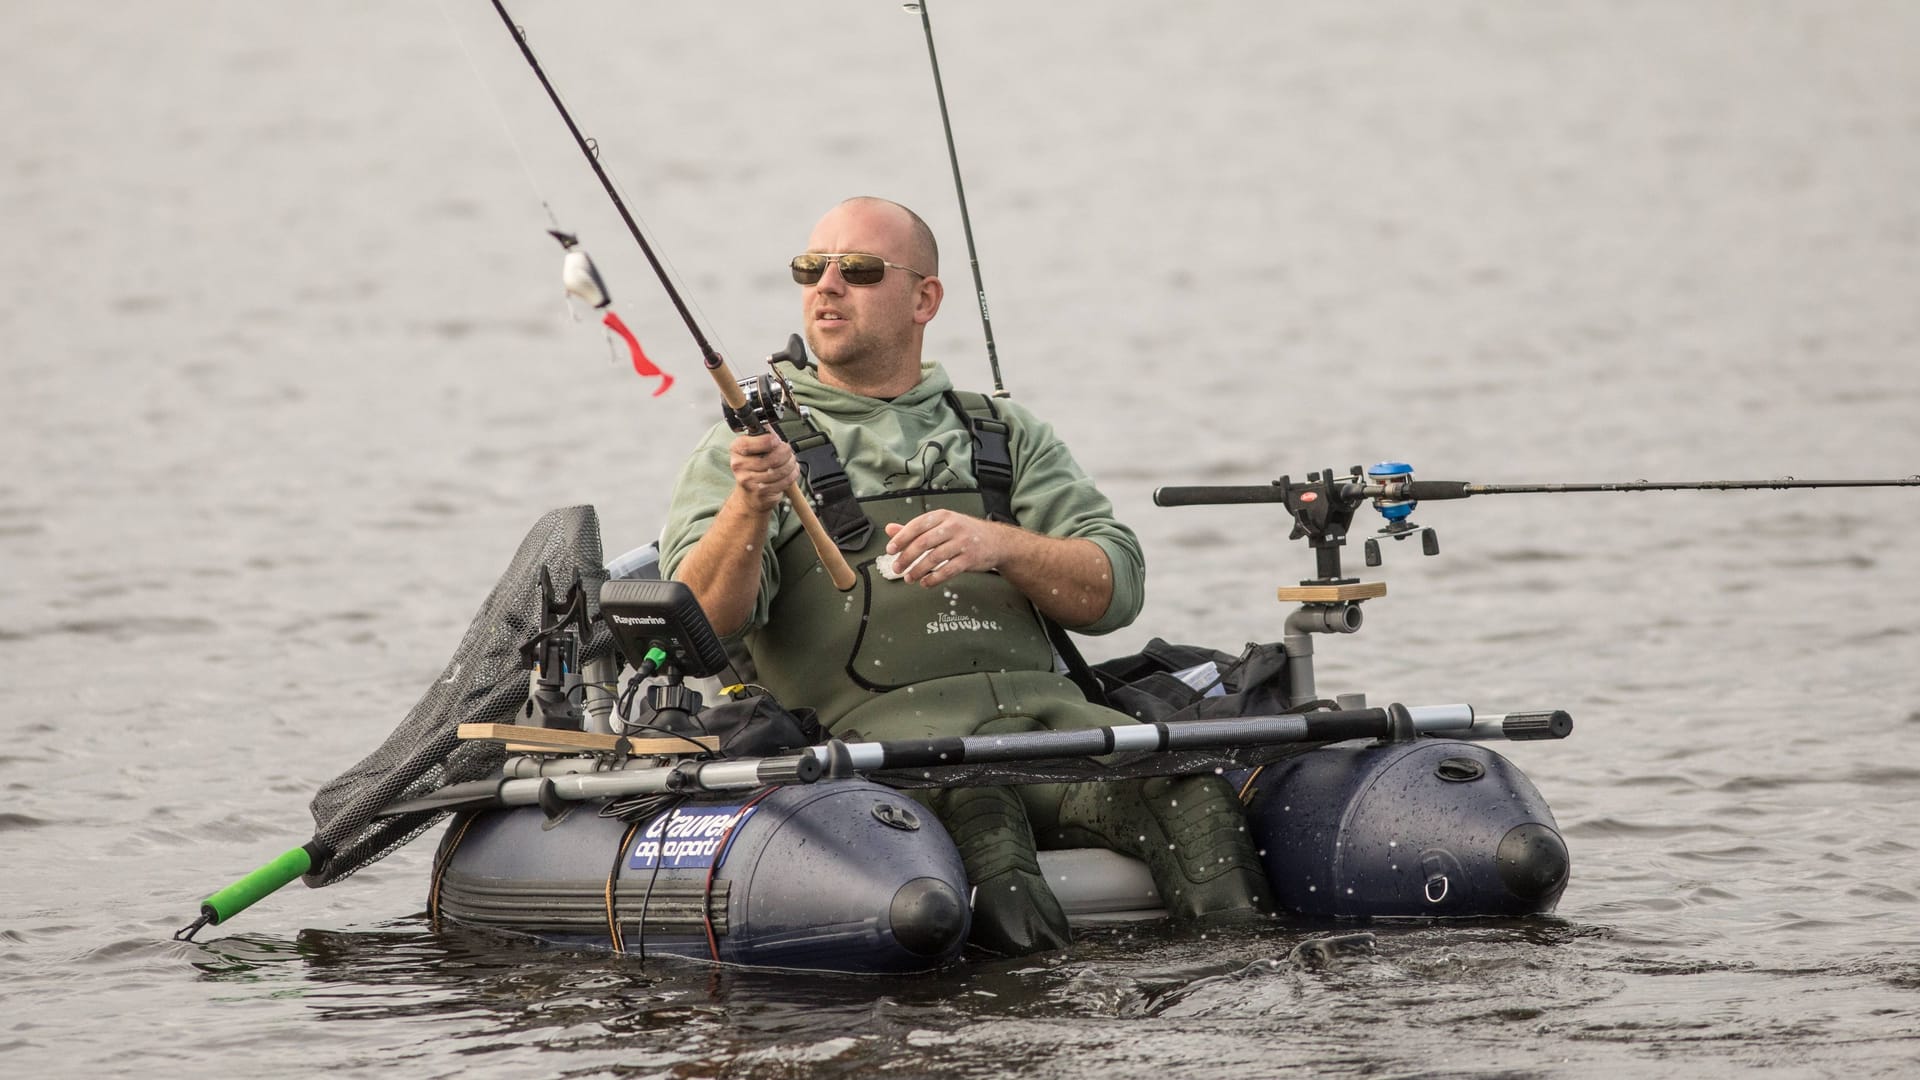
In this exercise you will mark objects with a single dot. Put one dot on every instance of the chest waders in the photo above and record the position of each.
(892, 660)
(844, 652)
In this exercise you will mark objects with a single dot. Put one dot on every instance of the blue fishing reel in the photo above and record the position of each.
(1395, 510)
(1394, 505)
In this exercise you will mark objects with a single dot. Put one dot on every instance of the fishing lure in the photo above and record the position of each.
(583, 282)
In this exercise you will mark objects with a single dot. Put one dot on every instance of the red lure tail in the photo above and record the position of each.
(641, 365)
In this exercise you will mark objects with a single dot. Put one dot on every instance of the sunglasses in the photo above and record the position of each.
(854, 269)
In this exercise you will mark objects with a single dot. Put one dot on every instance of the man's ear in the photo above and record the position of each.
(926, 299)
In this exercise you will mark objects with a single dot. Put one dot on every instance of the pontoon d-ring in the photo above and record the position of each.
(1442, 879)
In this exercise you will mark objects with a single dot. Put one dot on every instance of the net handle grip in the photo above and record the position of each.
(256, 886)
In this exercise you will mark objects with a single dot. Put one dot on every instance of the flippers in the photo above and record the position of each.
(1015, 912)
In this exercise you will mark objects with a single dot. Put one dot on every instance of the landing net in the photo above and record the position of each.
(485, 682)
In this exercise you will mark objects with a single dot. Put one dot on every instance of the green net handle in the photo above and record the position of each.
(263, 882)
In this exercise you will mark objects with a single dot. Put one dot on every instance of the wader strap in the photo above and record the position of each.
(993, 471)
(826, 480)
(1077, 669)
(992, 454)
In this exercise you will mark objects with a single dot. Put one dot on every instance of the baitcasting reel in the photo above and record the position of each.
(1396, 505)
(769, 397)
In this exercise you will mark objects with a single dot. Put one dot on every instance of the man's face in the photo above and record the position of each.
(869, 329)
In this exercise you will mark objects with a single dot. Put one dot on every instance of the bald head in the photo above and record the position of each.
(868, 337)
(922, 251)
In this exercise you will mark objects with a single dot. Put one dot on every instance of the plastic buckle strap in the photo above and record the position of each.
(992, 446)
(1078, 672)
(993, 467)
(988, 434)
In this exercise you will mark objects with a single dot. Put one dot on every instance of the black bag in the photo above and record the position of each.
(757, 726)
(1143, 685)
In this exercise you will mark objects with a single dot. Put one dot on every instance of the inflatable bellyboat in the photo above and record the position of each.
(850, 875)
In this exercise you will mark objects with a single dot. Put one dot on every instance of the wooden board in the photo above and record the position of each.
(1332, 594)
(554, 740)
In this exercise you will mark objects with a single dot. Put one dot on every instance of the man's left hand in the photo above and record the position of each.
(940, 545)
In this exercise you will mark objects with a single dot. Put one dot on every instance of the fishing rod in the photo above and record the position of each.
(1323, 505)
(1416, 490)
(966, 222)
(723, 377)
(1323, 508)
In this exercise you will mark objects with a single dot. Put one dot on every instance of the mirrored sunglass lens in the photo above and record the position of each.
(808, 268)
(862, 269)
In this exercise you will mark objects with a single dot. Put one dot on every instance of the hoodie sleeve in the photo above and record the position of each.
(703, 485)
(1054, 496)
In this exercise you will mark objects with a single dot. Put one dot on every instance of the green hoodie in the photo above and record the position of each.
(916, 442)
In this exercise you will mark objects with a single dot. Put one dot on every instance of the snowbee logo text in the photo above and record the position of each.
(948, 622)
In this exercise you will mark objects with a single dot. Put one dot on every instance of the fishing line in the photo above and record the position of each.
(966, 222)
(500, 114)
(591, 150)
(724, 380)
(589, 145)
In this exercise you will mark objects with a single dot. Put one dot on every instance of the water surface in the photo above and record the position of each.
(288, 375)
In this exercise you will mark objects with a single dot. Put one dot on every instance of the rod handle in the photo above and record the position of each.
(730, 391)
(1432, 490)
(1218, 495)
(823, 545)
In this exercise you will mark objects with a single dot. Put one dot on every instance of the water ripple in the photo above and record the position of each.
(124, 628)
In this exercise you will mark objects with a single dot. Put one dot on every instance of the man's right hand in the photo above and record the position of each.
(723, 568)
(763, 469)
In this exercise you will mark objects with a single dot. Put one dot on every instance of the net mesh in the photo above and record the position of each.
(485, 682)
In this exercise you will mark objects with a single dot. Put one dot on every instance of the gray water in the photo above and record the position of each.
(287, 375)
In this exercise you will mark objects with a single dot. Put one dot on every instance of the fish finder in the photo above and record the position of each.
(647, 615)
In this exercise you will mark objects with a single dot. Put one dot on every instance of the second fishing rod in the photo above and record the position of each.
(919, 7)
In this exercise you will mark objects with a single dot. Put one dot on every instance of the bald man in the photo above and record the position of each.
(968, 523)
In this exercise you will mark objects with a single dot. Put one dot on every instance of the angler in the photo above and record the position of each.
(1000, 538)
